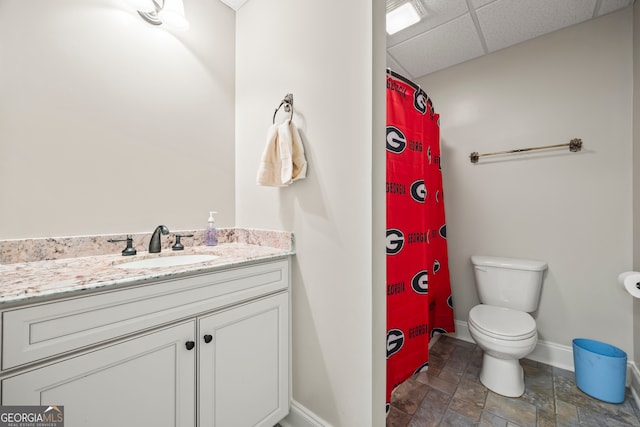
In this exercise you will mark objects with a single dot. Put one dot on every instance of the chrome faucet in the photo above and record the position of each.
(154, 243)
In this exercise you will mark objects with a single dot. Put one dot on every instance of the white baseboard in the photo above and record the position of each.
(462, 331)
(560, 356)
(300, 416)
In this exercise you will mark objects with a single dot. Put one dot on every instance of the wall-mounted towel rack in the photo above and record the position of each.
(288, 106)
(574, 145)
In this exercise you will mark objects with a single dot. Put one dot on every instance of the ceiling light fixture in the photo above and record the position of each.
(169, 12)
(402, 17)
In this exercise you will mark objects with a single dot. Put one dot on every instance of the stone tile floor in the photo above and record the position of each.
(450, 394)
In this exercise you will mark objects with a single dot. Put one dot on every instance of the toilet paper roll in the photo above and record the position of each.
(631, 282)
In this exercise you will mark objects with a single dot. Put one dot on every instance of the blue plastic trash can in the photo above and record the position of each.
(601, 369)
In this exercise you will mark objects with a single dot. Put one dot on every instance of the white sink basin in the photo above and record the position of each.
(167, 261)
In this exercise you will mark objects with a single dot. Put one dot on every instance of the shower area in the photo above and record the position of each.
(419, 303)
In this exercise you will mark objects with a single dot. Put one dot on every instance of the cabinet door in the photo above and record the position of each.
(244, 369)
(144, 381)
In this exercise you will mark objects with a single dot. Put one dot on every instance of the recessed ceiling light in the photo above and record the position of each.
(401, 18)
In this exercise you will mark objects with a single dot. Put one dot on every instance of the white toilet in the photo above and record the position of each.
(509, 289)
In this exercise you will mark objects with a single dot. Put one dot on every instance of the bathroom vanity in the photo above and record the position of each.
(204, 345)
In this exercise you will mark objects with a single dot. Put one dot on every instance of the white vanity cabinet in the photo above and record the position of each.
(244, 366)
(204, 350)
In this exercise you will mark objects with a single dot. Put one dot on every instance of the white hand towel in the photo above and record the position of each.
(285, 148)
(298, 159)
(270, 164)
(283, 158)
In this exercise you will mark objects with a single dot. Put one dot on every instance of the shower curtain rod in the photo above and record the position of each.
(412, 84)
(403, 78)
(574, 145)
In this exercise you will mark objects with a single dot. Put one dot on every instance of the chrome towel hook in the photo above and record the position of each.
(288, 107)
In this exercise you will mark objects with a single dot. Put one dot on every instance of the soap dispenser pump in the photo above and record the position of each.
(210, 238)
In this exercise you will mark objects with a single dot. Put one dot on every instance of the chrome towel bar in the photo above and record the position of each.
(574, 145)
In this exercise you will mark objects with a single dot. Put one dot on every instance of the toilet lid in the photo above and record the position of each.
(502, 323)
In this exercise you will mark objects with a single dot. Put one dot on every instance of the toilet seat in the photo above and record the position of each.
(502, 323)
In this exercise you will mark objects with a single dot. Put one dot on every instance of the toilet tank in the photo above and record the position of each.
(509, 282)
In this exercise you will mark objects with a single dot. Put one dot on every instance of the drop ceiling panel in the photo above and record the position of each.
(507, 22)
(452, 43)
(438, 12)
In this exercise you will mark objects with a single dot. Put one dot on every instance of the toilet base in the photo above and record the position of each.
(502, 376)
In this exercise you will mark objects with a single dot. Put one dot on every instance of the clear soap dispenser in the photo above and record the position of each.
(210, 238)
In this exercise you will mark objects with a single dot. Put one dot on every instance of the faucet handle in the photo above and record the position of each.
(177, 245)
(129, 250)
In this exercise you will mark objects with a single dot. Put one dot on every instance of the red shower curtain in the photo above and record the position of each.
(418, 290)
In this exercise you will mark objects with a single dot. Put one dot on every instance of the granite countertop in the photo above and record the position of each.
(32, 280)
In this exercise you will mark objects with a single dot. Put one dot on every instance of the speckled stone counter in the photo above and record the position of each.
(73, 264)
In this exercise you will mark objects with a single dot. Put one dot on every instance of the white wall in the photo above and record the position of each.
(379, 225)
(300, 47)
(111, 125)
(636, 171)
(572, 210)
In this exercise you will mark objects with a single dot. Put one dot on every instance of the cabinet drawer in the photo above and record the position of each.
(44, 330)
